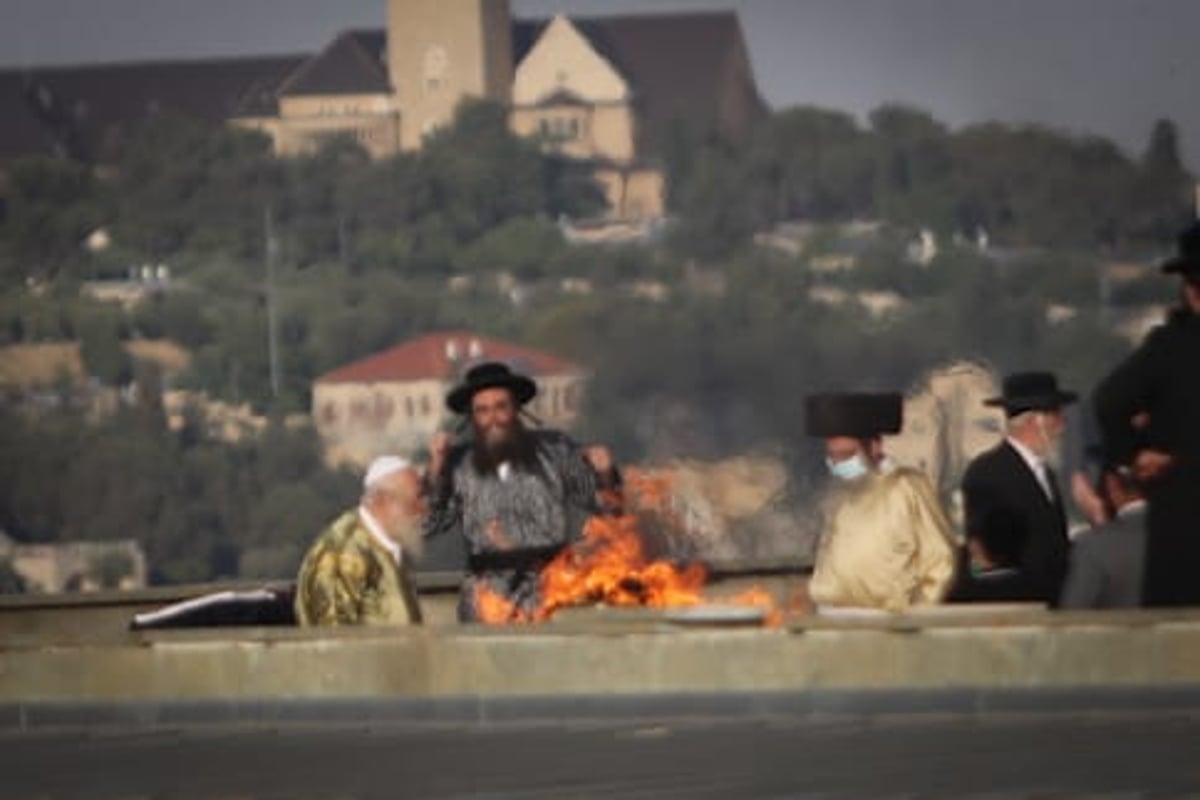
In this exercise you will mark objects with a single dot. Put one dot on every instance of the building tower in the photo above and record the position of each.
(440, 51)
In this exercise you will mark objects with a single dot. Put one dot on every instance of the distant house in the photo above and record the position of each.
(76, 566)
(394, 401)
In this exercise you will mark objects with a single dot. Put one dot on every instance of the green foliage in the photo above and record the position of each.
(716, 213)
(522, 246)
(195, 504)
(179, 185)
(103, 355)
(49, 208)
(110, 569)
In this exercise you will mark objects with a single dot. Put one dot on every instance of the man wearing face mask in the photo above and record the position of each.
(886, 542)
(1011, 494)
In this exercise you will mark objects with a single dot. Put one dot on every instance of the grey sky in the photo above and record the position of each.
(1105, 66)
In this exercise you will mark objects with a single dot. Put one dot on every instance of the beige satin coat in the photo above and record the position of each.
(886, 544)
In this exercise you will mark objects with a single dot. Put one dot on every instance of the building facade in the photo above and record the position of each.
(607, 91)
(394, 401)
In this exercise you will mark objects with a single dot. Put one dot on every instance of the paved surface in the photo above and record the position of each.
(1108, 755)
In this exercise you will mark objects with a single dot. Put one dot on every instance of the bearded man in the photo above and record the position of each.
(1011, 495)
(357, 571)
(516, 495)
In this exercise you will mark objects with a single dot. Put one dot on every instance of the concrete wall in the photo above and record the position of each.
(635, 654)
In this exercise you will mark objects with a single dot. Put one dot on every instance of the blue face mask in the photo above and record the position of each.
(848, 469)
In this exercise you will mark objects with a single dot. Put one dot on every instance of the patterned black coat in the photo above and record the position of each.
(516, 518)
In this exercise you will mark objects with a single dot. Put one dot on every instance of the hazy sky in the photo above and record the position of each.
(1103, 66)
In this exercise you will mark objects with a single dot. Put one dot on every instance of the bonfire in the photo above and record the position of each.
(610, 566)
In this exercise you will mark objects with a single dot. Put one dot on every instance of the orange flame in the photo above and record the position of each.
(609, 565)
(493, 608)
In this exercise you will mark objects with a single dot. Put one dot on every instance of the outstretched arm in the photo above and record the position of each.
(608, 478)
(445, 504)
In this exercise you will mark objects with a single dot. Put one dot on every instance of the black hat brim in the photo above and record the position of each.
(858, 415)
(1180, 265)
(522, 388)
(1036, 402)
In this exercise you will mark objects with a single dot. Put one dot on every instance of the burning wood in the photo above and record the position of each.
(610, 566)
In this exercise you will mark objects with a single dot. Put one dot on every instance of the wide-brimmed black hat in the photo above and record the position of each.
(1031, 391)
(489, 375)
(1187, 260)
(860, 415)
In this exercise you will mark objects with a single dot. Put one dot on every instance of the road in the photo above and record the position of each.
(1108, 755)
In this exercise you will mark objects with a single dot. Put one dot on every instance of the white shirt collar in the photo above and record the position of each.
(1132, 508)
(376, 531)
(1037, 464)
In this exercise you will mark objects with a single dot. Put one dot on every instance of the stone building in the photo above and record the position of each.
(394, 401)
(608, 91)
(76, 566)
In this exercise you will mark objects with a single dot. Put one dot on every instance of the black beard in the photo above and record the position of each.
(516, 448)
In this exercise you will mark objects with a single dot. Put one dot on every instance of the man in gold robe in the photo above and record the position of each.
(886, 543)
(357, 571)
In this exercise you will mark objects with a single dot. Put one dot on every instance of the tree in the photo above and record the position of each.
(716, 216)
(104, 356)
(50, 206)
(108, 570)
(811, 163)
(182, 184)
(1162, 197)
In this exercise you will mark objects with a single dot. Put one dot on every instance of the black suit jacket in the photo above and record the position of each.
(1162, 378)
(1004, 503)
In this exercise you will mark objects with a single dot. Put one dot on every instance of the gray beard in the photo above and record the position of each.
(408, 536)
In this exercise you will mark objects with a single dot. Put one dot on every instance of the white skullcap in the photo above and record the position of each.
(382, 467)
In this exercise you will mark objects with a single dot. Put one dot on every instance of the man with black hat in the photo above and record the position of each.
(886, 542)
(517, 496)
(1149, 414)
(1011, 496)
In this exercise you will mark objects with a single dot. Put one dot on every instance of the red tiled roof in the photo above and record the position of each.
(429, 358)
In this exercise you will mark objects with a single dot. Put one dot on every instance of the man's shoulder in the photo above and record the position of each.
(990, 460)
(1118, 532)
(343, 532)
(1179, 329)
(904, 476)
(552, 439)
